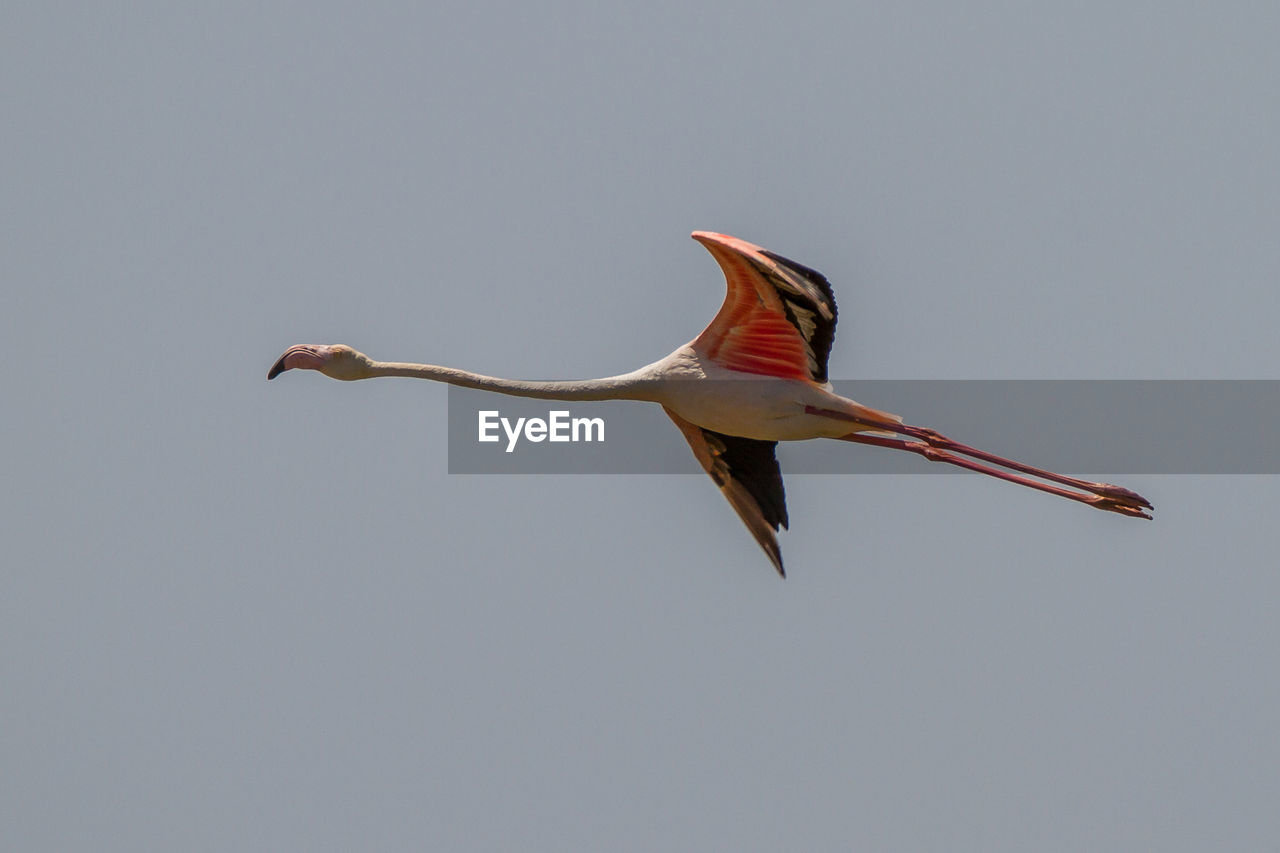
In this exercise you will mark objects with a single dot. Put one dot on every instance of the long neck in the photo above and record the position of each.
(629, 386)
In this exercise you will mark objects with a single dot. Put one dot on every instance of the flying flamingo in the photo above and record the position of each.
(756, 376)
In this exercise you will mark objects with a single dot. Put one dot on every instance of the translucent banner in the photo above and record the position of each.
(1096, 427)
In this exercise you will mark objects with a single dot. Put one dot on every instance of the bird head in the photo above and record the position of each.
(337, 361)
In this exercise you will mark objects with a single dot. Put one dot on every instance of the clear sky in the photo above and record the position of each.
(246, 616)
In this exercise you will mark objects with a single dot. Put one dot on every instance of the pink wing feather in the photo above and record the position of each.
(778, 317)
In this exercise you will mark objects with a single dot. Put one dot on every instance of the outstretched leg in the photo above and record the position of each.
(936, 447)
(1131, 503)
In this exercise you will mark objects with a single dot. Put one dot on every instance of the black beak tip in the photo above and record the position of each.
(276, 369)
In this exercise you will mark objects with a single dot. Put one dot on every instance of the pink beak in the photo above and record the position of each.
(303, 355)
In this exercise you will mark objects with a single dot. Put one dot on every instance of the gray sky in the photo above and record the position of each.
(246, 616)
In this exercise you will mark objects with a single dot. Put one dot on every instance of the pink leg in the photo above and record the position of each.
(936, 447)
(1124, 506)
(936, 439)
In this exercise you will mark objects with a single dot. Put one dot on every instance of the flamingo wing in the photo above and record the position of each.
(778, 317)
(747, 472)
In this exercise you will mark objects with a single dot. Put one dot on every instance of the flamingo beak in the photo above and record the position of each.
(276, 369)
(302, 355)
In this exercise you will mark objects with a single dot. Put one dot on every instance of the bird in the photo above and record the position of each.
(756, 375)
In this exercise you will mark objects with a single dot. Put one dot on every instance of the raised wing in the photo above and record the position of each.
(778, 318)
(747, 472)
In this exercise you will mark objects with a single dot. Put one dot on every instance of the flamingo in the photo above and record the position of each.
(755, 376)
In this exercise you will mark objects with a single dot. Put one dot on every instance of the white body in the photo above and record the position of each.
(752, 406)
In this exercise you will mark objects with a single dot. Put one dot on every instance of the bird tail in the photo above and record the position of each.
(867, 420)
(861, 419)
